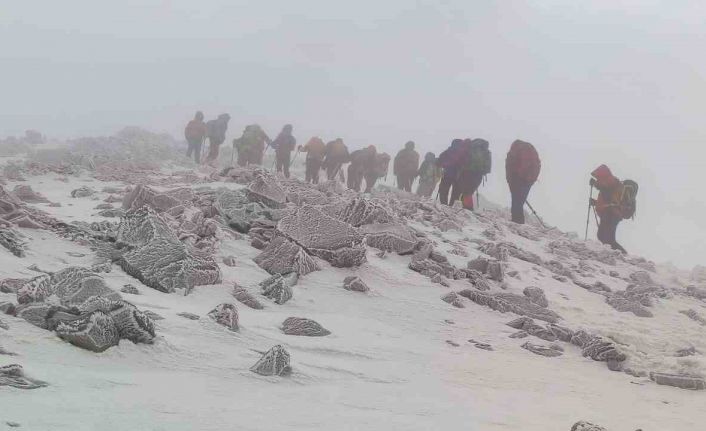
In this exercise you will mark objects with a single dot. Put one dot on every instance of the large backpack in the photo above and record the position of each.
(523, 162)
(480, 159)
(627, 199)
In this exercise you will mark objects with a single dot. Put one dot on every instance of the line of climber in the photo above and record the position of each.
(458, 171)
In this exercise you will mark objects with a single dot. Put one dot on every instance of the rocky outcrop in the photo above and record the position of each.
(153, 254)
(226, 315)
(13, 375)
(509, 302)
(273, 363)
(304, 327)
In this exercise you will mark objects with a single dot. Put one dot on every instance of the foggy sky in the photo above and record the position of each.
(616, 82)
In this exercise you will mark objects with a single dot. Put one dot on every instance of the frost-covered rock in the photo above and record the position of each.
(82, 192)
(694, 315)
(454, 299)
(35, 313)
(96, 332)
(281, 256)
(360, 211)
(130, 289)
(355, 284)
(586, 426)
(390, 237)
(536, 296)
(26, 194)
(157, 258)
(72, 286)
(679, 381)
(273, 363)
(190, 316)
(537, 349)
(143, 195)
(625, 305)
(304, 327)
(226, 315)
(279, 288)
(12, 241)
(265, 189)
(229, 261)
(504, 302)
(242, 295)
(600, 349)
(131, 323)
(13, 375)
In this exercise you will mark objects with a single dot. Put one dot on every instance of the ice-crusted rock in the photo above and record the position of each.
(679, 381)
(390, 237)
(7, 308)
(10, 285)
(242, 295)
(360, 211)
(694, 315)
(130, 289)
(696, 292)
(600, 349)
(82, 192)
(71, 285)
(536, 296)
(283, 255)
(273, 363)
(157, 258)
(26, 194)
(190, 316)
(143, 195)
(454, 299)
(131, 323)
(13, 375)
(624, 305)
(96, 332)
(440, 279)
(323, 236)
(478, 280)
(279, 288)
(238, 212)
(496, 251)
(528, 325)
(265, 189)
(303, 327)
(479, 264)
(504, 302)
(226, 315)
(12, 241)
(34, 313)
(229, 261)
(355, 284)
(538, 349)
(586, 426)
(496, 271)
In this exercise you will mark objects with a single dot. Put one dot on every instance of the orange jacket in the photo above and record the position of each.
(609, 188)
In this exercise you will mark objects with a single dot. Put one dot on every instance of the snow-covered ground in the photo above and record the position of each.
(390, 362)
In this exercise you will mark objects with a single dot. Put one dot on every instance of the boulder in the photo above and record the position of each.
(95, 332)
(13, 375)
(536, 296)
(279, 288)
(245, 297)
(12, 241)
(282, 255)
(390, 237)
(26, 194)
(273, 363)
(454, 299)
(265, 189)
(586, 426)
(131, 323)
(355, 284)
(82, 192)
(304, 327)
(226, 315)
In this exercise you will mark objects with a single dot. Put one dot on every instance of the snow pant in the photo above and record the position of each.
(519, 191)
(355, 177)
(213, 149)
(404, 182)
(607, 228)
(242, 157)
(195, 148)
(331, 170)
(426, 188)
(282, 161)
(313, 167)
(370, 180)
(464, 188)
(446, 182)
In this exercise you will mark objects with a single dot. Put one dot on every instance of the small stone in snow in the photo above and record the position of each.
(189, 316)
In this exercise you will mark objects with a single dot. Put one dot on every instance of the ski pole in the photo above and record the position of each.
(535, 214)
(588, 215)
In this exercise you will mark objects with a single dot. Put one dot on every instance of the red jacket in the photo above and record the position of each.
(609, 186)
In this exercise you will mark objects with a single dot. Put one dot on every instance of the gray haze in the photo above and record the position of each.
(620, 82)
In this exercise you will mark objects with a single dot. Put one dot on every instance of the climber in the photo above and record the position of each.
(362, 162)
(476, 165)
(450, 161)
(522, 167)
(616, 202)
(379, 169)
(195, 134)
(251, 145)
(406, 166)
(284, 144)
(429, 175)
(315, 151)
(335, 157)
(216, 131)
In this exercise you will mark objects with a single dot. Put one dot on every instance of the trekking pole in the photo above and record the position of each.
(588, 215)
(232, 155)
(295, 158)
(478, 199)
(535, 214)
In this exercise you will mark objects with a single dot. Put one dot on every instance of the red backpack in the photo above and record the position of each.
(522, 162)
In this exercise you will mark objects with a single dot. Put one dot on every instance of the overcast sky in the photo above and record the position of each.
(615, 82)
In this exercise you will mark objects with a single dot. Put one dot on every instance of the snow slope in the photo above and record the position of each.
(387, 365)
